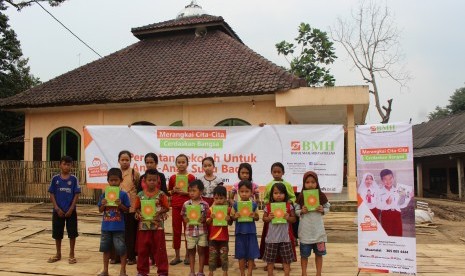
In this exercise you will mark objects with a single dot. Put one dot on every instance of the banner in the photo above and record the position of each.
(386, 207)
(300, 148)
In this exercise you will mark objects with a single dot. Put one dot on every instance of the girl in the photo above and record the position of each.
(128, 185)
(312, 233)
(277, 171)
(178, 197)
(209, 180)
(245, 173)
(151, 162)
(278, 236)
(369, 192)
(246, 249)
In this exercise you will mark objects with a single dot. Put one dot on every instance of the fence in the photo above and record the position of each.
(28, 181)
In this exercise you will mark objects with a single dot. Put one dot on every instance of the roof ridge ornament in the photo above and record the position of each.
(191, 10)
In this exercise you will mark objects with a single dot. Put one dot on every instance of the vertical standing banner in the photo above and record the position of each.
(300, 148)
(386, 213)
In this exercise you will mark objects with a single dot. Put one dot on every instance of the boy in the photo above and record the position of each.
(218, 235)
(196, 235)
(390, 203)
(64, 192)
(151, 233)
(113, 227)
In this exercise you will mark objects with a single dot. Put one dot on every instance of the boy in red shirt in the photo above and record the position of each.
(151, 233)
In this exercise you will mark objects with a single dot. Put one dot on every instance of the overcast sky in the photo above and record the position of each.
(433, 39)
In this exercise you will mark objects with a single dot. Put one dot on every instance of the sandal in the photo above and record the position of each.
(103, 274)
(131, 262)
(72, 260)
(186, 261)
(54, 259)
(175, 261)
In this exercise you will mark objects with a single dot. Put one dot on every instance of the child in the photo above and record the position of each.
(246, 247)
(178, 197)
(312, 233)
(196, 235)
(218, 235)
(151, 234)
(245, 173)
(278, 236)
(113, 226)
(369, 192)
(64, 192)
(129, 184)
(210, 181)
(151, 162)
(277, 171)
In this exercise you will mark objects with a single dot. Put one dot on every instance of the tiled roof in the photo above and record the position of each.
(170, 67)
(440, 136)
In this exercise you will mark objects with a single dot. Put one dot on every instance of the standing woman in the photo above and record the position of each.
(130, 180)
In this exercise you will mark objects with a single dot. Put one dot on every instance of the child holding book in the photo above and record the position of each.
(279, 214)
(209, 179)
(195, 212)
(245, 214)
(177, 188)
(64, 192)
(218, 231)
(312, 232)
(113, 226)
(151, 162)
(151, 207)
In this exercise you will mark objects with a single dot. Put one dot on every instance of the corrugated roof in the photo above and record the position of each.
(440, 136)
(181, 65)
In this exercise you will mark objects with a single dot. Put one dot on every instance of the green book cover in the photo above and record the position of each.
(279, 210)
(111, 195)
(193, 214)
(220, 212)
(311, 199)
(147, 209)
(245, 209)
(182, 182)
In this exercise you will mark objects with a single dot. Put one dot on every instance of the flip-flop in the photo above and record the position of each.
(186, 262)
(53, 259)
(103, 274)
(72, 260)
(175, 261)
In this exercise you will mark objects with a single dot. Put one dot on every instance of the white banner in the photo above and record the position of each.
(386, 207)
(300, 148)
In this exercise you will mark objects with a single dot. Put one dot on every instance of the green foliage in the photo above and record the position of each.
(22, 4)
(15, 76)
(456, 105)
(316, 50)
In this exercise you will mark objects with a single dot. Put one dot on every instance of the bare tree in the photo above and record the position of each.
(372, 42)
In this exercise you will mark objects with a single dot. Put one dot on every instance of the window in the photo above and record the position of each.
(63, 141)
(233, 122)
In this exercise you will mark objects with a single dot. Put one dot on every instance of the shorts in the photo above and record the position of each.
(198, 240)
(113, 239)
(246, 247)
(318, 248)
(58, 226)
(285, 252)
(218, 249)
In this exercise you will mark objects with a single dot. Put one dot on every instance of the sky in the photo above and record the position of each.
(432, 39)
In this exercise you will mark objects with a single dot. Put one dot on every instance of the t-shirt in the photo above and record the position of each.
(196, 230)
(161, 202)
(311, 226)
(64, 191)
(113, 217)
(278, 232)
(210, 185)
(218, 233)
(177, 200)
(245, 227)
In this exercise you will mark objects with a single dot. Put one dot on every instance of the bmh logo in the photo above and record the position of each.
(382, 128)
(295, 145)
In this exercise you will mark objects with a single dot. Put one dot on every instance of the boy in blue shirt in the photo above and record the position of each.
(113, 223)
(64, 192)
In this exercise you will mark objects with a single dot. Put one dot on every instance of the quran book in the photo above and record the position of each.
(147, 209)
(311, 199)
(220, 211)
(111, 195)
(245, 209)
(279, 210)
(182, 182)
(193, 214)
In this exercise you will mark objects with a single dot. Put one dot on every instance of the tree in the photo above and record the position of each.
(22, 4)
(15, 76)
(316, 50)
(456, 105)
(372, 42)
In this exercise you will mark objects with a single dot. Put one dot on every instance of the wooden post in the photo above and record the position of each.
(419, 179)
(351, 160)
(460, 178)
